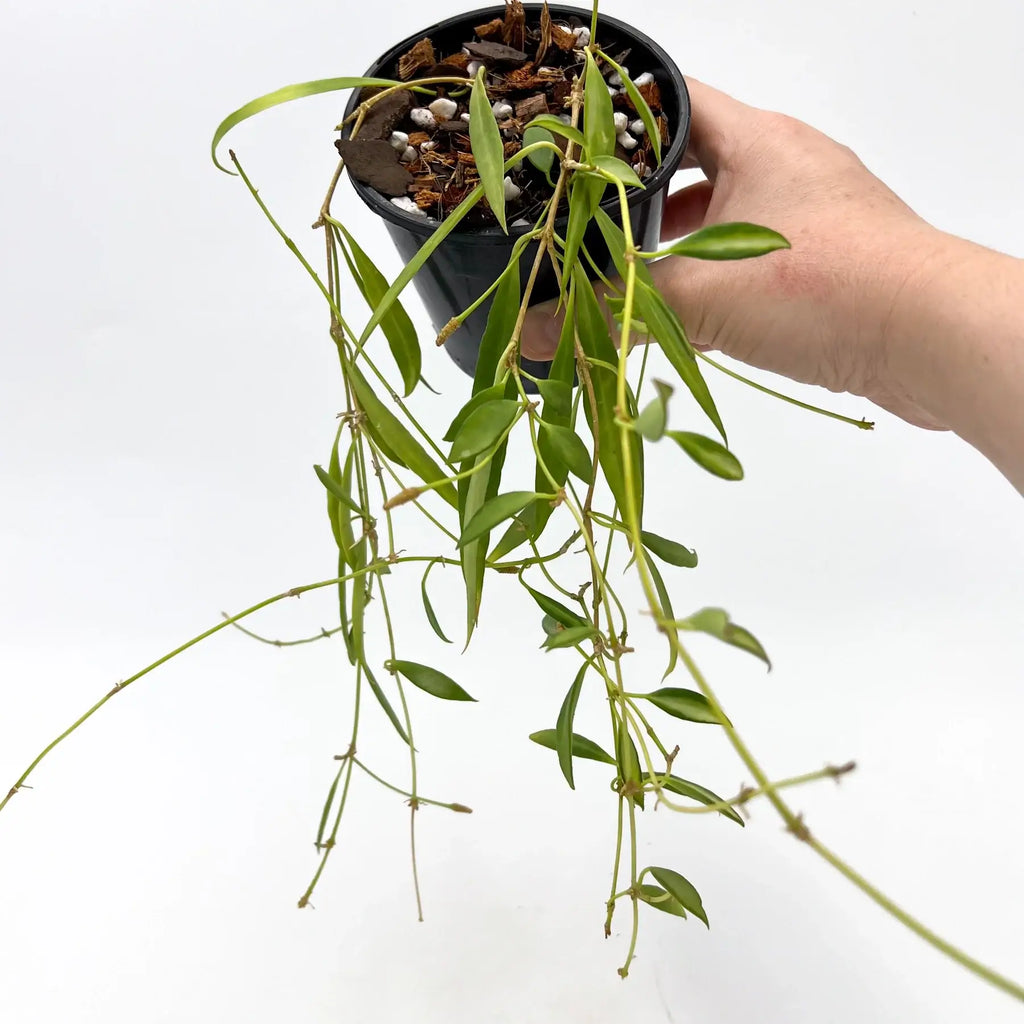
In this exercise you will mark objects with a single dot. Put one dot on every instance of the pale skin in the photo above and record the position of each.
(870, 299)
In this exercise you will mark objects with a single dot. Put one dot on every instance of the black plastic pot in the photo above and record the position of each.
(468, 261)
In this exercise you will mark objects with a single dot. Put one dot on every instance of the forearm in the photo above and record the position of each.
(956, 346)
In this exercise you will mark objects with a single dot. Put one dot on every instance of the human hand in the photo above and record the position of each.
(819, 313)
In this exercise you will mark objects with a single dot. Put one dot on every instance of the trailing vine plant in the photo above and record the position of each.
(588, 424)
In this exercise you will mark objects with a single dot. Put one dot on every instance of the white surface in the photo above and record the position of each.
(167, 384)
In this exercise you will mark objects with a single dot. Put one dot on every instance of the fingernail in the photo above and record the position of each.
(541, 330)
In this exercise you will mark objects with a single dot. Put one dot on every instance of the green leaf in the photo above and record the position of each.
(429, 608)
(738, 241)
(688, 705)
(496, 391)
(385, 427)
(629, 763)
(475, 490)
(716, 622)
(618, 169)
(328, 804)
(494, 511)
(550, 123)
(598, 121)
(483, 427)
(569, 636)
(666, 607)
(597, 343)
(708, 454)
(485, 141)
(557, 395)
(655, 896)
(334, 488)
(654, 418)
(429, 679)
(667, 329)
(385, 703)
(556, 609)
(646, 115)
(569, 448)
(681, 890)
(521, 527)
(581, 746)
(289, 92)
(702, 795)
(668, 550)
(396, 325)
(542, 159)
(585, 194)
(334, 475)
(563, 727)
(550, 625)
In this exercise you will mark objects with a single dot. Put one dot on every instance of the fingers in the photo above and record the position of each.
(685, 210)
(716, 122)
(542, 327)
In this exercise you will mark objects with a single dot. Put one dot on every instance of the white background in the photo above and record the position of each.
(166, 385)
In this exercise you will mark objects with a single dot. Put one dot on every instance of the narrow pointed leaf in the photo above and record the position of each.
(597, 343)
(328, 804)
(716, 622)
(396, 325)
(569, 636)
(598, 122)
(646, 115)
(429, 608)
(618, 169)
(334, 476)
(284, 95)
(689, 705)
(655, 896)
(629, 763)
(550, 625)
(737, 241)
(653, 419)
(668, 550)
(482, 428)
(521, 527)
(703, 795)
(429, 679)
(667, 329)
(563, 727)
(556, 609)
(550, 123)
(542, 159)
(682, 890)
(334, 488)
(485, 141)
(584, 199)
(568, 446)
(383, 425)
(557, 395)
(581, 746)
(708, 454)
(351, 552)
(480, 398)
(475, 490)
(666, 607)
(495, 511)
(385, 704)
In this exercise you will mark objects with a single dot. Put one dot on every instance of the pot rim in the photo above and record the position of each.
(658, 181)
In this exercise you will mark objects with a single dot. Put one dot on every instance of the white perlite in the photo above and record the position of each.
(616, 78)
(620, 120)
(473, 67)
(422, 117)
(399, 140)
(408, 206)
(582, 35)
(464, 117)
(512, 190)
(645, 79)
(637, 127)
(626, 141)
(427, 146)
(409, 155)
(443, 108)
(502, 110)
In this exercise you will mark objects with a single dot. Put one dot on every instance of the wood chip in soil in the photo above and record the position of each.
(375, 162)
